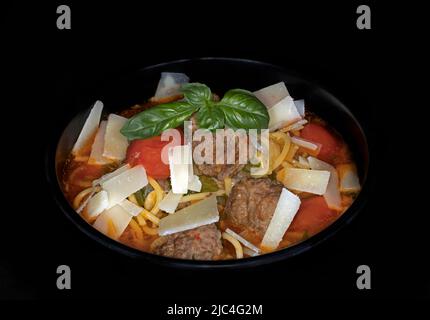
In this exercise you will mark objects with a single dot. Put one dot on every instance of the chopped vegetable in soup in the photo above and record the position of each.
(194, 175)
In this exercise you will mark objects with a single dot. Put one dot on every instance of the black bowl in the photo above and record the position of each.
(219, 74)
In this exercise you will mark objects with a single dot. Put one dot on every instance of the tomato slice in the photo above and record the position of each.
(313, 216)
(147, 152)
(331, 146)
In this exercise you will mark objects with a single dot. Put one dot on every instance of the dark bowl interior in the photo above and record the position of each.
(220, 75)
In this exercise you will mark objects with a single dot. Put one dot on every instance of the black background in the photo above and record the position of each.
(47, 72)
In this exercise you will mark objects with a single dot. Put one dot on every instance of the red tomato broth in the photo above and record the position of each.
(78, 175)
(313, 216)
(333, 148)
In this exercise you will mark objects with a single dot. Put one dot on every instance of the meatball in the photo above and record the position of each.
(252, 202)
(219, 171)
(202, 243)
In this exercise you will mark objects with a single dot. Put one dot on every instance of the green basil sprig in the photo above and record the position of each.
(238, 109)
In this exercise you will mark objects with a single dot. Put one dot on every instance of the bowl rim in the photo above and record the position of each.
(276, 256)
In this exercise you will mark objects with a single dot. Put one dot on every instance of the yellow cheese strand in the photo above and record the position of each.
(286, 147)
(80, 196)
(228, 185)
(150, 216)
(236, 244)
(159, 192)
(137, 230)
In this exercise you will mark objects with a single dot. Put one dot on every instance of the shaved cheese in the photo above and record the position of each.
(292, 152)
(271, 95)
(97, 204)
(96, 156)
(179, 160)
(110, 175)
(286, 209)
(117, 216)
(84, 203)
(304, 162)
(245, 242)
(170, 202)
(124, 184)
(86, 193)
(115, 144)
(283, 113)
(249, 252)
(169, 84)
(150, 216)
(312, 181)
(130, 207)
(199, 214)
(300, 105)
(332, 194)
(90, 127)
(349, 181)
(236, 244)
(304, 143)
(298, 125)
(195, 184)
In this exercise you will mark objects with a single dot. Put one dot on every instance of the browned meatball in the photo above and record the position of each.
(219, 171)
(202, 243)
(252, 203)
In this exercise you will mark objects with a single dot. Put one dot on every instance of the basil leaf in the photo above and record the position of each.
(247, 168)
(238, 109)
(210, 116)
(208, 184)
(154, 121)
(243, 110)
(142, 194)
(196, 94)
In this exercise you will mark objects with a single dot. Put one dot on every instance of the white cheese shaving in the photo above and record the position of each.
(199, 214)
(195, 184)
(304, 162)
(179, 161)
(332, 195)
(97, 204)
(242, 240)
(249, 252)
(120, 220)
(312, 181)
(96, 156)
(271, 95)
(349, 181)
(169, 84)
(90, 127)
(115, 144)
(300, 106)
(286, 209)
(112, 174)
(283, 113)
(85, 202)
(170, 202)
(305, 143)
(124, 184)
(130, 207)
